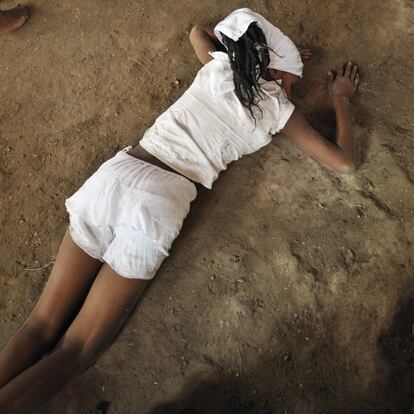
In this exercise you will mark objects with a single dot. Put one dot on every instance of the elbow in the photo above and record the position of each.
(347, 167)
(194, 32)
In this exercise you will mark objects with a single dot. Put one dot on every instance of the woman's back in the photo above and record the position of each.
(208, 127)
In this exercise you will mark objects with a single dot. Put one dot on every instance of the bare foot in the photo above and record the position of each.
(13, 19)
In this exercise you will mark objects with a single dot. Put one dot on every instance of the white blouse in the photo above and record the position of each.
(208, 127)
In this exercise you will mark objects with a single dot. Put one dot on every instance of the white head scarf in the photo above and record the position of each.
(287, 56)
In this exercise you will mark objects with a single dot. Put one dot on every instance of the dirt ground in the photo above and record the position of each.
(290, 289)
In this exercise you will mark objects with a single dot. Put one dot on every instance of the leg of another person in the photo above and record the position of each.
(69, 282)
(107, 306)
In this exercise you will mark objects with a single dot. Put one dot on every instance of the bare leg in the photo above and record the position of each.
(70, 279)
(13, 19)
(107, 306)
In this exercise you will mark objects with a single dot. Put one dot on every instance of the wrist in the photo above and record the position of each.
(340, 99)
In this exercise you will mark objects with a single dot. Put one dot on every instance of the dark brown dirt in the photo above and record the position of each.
(290, 289)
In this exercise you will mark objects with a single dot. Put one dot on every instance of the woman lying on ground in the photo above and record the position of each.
(125, 217)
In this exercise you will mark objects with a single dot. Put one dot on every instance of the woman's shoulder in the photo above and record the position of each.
(215, 77)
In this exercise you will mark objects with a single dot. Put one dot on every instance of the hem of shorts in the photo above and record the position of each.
(73, 210)
(127, 276)
(103, 260)
(80, 245)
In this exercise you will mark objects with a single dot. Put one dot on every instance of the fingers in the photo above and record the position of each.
(348, 69)
(354, 75)
(305, 53)
(354, 72)
(330, 76)
(340, 69)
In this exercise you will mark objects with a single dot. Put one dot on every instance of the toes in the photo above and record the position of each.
(25, 13)
(330, 76)
(13, 19)
(356, 80)
(348, 69)
(22, 12)
(19, 11)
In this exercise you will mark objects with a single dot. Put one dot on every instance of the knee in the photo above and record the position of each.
(40, 330)
(80, 351)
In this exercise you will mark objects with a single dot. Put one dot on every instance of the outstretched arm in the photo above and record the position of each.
(203, 40)
(340, 157)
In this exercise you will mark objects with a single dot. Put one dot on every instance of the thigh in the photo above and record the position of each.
(108, 304)
(70, 279)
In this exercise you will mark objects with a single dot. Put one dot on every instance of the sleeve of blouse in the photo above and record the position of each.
(283, 110)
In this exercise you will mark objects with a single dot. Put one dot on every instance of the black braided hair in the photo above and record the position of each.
(249, 58)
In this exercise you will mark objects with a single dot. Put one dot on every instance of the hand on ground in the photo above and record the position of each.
(344, 81)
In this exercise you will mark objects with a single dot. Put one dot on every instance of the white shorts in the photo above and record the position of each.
(128, 214)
